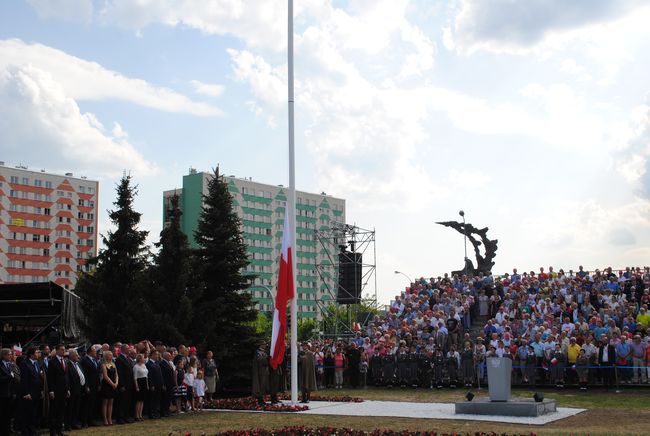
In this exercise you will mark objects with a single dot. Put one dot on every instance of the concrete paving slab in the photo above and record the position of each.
(423, 410)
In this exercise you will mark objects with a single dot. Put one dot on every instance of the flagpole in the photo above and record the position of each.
(291, 210)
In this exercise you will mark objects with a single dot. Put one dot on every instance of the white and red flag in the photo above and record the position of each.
(282, 297)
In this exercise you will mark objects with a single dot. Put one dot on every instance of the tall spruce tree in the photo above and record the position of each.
(111, 296)
(169, 297)
(224, 313)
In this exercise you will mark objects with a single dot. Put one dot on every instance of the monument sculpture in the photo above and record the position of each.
(478, 237)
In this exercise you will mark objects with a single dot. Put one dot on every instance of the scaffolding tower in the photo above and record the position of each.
(336, 238)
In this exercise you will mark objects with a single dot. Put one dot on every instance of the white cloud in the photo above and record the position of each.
(261, 23)
(581, 230)
(514, 25)
(78, 10)
(85, 80)
(633, 158)
(211, 89)
(37, 115)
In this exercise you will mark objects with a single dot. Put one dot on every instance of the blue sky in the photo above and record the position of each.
(533, 117)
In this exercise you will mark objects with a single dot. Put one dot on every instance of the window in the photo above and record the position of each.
(13, 193)
(82, 189)
(48, 184)
(91, 190)
(46, 211)
(38, 182)
(59, 193)
(25, 181)
(81, 202)
(14, 179)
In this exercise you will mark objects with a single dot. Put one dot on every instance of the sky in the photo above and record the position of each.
(531, 116)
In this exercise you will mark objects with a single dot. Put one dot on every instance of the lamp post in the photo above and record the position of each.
(268, 289)
(399, 272)
(462, 214)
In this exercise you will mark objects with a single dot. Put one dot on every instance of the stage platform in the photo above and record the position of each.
(421, 410)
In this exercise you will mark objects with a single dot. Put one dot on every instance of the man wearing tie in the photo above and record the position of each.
(29, 393)
(90, 367)
(156, 384)
(59, 391)
(77, 384)
(8, 381)
(169, 381)
(124, 364)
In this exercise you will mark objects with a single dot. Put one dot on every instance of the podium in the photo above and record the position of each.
(499, 370)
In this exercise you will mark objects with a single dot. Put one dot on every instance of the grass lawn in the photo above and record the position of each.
(608, 413)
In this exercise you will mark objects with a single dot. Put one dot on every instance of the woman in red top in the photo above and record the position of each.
(339, 363)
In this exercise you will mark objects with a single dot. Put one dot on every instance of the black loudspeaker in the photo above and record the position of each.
(538, 397)
(350, 272)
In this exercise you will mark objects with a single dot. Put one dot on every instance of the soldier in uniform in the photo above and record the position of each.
(402, 366)
(388, 369)
(413, 360)
(452, 366)
(260, 374)
(307, 370)
(558, 363)
(425, 370)
(438, 367)
(375, 369)
(467, 365)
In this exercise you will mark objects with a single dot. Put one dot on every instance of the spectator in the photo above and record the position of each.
(109, 386)
(211, 374)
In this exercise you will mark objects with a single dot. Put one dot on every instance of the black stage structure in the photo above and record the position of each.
(37, 313)
(353, 264)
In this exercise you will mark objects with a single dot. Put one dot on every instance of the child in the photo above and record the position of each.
(199, 390)
(188, 382)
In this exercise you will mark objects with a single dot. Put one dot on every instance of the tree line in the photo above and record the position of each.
(177, 295)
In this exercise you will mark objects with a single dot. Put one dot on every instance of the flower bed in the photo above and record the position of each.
(341, 399)
(250, 403)
(323, 431)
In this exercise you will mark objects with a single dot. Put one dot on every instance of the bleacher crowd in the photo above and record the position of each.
(72, 388)
(577, 327)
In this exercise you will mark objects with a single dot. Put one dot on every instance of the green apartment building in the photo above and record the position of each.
(261, 208)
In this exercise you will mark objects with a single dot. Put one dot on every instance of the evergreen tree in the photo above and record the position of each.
(111, 296)
(168, 296)
(224, 312)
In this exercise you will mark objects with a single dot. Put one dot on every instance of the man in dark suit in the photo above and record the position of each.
(59, 391)
(155, 385)
(606, 359)
(124, 364)
(8, 381)
(91, 368)
(169, 381)
(29, 393)
(77, 384)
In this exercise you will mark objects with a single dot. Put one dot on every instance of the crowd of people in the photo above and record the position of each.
(72, 388)
(577, 327)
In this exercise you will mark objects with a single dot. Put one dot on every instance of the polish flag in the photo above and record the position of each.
(282, 297)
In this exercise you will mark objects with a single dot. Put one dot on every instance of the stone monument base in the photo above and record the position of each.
(514, 407)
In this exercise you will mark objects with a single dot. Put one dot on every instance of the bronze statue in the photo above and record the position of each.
(485, 263)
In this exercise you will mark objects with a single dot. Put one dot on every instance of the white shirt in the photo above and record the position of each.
(82, 379)
(140, 371)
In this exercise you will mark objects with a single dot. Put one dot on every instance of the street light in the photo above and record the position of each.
(268, 289)
(399, 272)
(462, 214)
